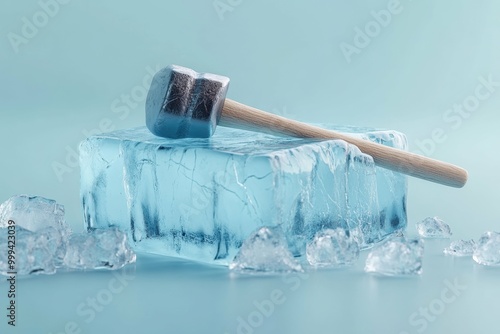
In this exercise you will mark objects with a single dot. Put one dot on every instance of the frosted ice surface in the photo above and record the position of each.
(396, 257)
(433, 227)
(332, 248)
(201, 198)
(487, 250)
(460, 248)
(266, 250)
(99, 249)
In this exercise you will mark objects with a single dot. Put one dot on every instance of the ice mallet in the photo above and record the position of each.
(182, 103)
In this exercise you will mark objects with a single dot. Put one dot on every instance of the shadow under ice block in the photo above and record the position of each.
(201, 198)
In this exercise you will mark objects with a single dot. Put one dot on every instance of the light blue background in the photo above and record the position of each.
(284, 57)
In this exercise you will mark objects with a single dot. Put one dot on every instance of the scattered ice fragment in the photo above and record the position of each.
(396, 257)
(40, 215)
(44, 243)
(433, 227)
(332, 248)
(460, 248)
(33, 213)
(99, 249)
(34, 253)
(265, 250)
(487, 250)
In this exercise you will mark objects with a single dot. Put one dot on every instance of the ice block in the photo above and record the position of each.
(201, 198)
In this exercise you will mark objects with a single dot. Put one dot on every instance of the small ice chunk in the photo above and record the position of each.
(460, 248)
(32, 253)
(99, 249)
(265, 250)
(33, 213)
(33, 229)
(396, 257)
(332, 248)
(487, 251)
(40, 215)
(433, 227)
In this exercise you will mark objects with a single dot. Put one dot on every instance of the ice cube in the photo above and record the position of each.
(487, 250)
(396, 257)
(41, 215)
(332, 248)
(201, 198)
(99, 249)
(266, 250)
(433, 227)
(33, 213)
(460, 248)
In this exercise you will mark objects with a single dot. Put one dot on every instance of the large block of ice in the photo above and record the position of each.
(201, 198)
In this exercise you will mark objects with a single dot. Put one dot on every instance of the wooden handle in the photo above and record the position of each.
(240, 116)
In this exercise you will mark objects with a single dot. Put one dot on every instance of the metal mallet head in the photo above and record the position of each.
(182, 103)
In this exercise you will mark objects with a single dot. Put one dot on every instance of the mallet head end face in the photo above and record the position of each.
(182, 103)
